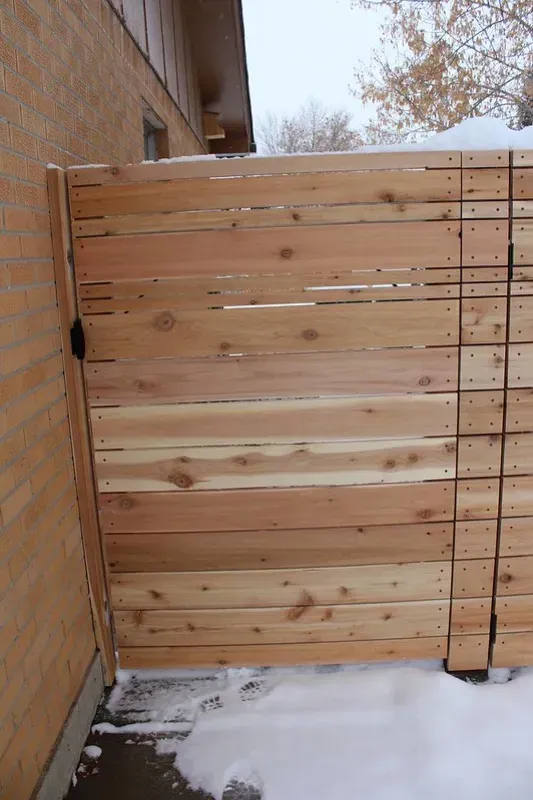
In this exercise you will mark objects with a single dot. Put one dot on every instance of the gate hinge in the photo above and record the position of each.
(493, 628)
(77, 340)
(510, 260)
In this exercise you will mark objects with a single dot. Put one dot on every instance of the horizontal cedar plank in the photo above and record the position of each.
(470, 616)
(518, 496)
(480, 412)
(201, 302)
(279, 465)
(205, 194)
(267, 509)
(522, 183)
(522, 208)
(523, 239)
(189, 334)
(477, 499)
(485, 184)
(513, 650)
(485, 158)
(515, 613)
(273, 376)
(515, 575)
(270, 165)
(483, 209)
(472, 578)
(482, 367)
(270, 250)
(468, 652)
(521, 275)
(485, 243)
(483, 274)
(276, 217)
(521, 324)
(485, 290)
(264, 588)
(275, 421)
(475, 539)
(516, 538)
(277, 655)
(282, 625)
(518, 454)
(479, 456)
(522, 287)
(281, 549)
(520, 365)
(483, 320)
(519, 410)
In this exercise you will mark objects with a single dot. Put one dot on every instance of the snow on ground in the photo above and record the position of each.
(386, 733)
(93, 752)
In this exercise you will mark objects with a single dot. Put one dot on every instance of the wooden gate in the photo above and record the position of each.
(295, 372)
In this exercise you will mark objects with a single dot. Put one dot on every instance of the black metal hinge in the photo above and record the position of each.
(511, 260)
(77, 340)
(493, 628)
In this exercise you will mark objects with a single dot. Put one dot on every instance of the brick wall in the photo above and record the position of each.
(72, 84)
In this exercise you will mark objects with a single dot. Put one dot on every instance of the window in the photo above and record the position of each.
(155, 136)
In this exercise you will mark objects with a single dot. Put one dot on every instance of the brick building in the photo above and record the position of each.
(81, 81)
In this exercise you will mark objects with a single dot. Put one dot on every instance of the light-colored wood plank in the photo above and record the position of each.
(485, 242)
(515, 613)
(306, 375)
(205, 194)
(472, 578)
(480, 412)
(274, 250)
(475, 539)
(521, 275)
(278, 217)
(267, 509)
(513, 650)
(522, 208)
(516, 537)
(252, 165)
(482, 367)
(479, 456)
(278, 655)
(520, 371)
(470, 616)
(467, 653)
(518, 496)
(520, 324)
(485, 158)
(200, 302)
(522, 287)
(477, 499)
(523, 240)
(189, 334)
(483, 320)
(79, 425)
(522, 183)
(519, 410)
(481, 274)
(282, 625)
(515, 575)
(264, 588)
(275, 421)
(485, 184)
(281, 549)
(484, 290)
(518, 454)
(484, 209)
(282, 465)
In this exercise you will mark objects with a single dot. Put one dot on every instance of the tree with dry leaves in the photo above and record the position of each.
(441, 61)
(311, 129)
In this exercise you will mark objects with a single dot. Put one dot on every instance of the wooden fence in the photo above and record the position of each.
(297, 374)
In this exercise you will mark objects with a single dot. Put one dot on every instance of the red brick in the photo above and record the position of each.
(23, 142)
(8, 55)
(21, 89)
(30, 20)
(28, 69)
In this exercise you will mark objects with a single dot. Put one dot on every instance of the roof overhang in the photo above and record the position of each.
(216, 30)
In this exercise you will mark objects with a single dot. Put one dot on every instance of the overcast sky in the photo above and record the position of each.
(306, 48)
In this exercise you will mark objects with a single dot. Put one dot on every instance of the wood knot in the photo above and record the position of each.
(310, 334)
(138, 617)
(114, 171)
(125, 503)
(424, 381)
(241, 460)
(412, 458)
(296, 217)
(387, 616)
(506, 577)
(344, 591)
(181, 480)
(190, 627)
(287, 252)
(498, 360)
(390, 463)
(225, 346)
(155, 594)
(328, 613)
(305, 601)
(450, 447)
(424, 513)
(141, 386)
(256, 629)
(388, 197)
(165, 322)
